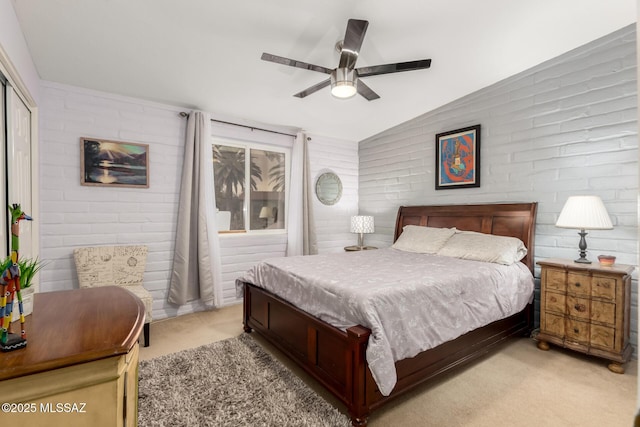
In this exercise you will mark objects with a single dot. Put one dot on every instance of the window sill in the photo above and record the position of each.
(252, 233)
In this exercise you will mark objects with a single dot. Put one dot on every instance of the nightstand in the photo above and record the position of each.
(359, 248)
(586, 308)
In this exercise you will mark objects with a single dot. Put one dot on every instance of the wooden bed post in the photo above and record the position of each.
(357, 337)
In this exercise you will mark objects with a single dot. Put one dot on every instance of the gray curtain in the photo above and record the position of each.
(301, 238)
(196, 262)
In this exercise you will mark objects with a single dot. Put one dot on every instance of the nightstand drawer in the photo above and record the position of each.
(554, 302)
(601, 336)
(577, 331)
(604, 312)
(579, 284)
(578, 307)
(604, 287)
(555, 279)
(553, 324)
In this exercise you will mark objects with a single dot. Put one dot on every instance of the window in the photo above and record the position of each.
(250, 183)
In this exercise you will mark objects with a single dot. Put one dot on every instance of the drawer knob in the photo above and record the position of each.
(576, 330)
(580, 307)
(577, 284)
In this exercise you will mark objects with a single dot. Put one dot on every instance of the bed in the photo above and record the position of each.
(336, 357)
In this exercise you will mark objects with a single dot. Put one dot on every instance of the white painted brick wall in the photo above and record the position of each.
(564, 127)
(72, 215)
(332, 222)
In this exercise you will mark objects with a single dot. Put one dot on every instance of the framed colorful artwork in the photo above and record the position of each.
(113, 163)
(458, 158)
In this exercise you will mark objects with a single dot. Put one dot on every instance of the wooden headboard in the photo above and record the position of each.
(502, 219)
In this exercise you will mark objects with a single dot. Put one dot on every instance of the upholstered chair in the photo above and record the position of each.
(116, 265)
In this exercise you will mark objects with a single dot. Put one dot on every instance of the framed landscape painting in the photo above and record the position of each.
(113, 163)
(458, 158)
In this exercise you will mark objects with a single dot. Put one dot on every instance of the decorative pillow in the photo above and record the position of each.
(425, 240)
(484, 247)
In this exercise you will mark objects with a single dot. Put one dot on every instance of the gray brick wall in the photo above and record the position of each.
(567, 126)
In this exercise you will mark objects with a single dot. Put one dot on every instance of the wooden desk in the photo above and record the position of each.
(80, 366)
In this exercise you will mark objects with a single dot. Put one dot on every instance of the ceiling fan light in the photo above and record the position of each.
(343, 83)
(343, 90)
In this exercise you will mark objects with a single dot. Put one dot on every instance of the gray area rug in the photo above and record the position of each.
(228, 383)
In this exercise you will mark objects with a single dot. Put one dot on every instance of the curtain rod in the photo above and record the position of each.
(183, 114)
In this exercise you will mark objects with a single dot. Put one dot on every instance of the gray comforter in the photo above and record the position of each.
(411, 302)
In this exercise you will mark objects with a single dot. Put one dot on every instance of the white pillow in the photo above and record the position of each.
(424, 240)
(484, 247)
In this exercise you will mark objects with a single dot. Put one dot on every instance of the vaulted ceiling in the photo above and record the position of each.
(204, 54)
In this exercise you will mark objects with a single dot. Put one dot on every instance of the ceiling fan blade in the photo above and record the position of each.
(394, 68)
(293, 63)
(366, 91)
(353, 38)
(314, 88)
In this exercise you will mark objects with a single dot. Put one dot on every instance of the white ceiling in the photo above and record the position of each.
(205, 54)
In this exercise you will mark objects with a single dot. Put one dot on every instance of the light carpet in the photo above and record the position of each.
(233, 382)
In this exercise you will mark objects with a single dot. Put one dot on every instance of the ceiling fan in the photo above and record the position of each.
(345, 79)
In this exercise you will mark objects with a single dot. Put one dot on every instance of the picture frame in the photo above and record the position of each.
(105, 163)
(458, 158)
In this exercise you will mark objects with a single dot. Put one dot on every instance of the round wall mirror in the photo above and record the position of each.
(328, 188)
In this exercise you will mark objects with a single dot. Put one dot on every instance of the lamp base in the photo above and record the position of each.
(583, 248)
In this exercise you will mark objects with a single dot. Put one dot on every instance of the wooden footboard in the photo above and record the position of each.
(333, 357)
(336, 359)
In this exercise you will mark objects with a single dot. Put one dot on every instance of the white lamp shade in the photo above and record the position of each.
(584, 212)
(362, 224)
(265, 212)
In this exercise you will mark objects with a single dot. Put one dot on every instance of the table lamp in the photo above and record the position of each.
(362, 224)
(584, 213)
(265, 213)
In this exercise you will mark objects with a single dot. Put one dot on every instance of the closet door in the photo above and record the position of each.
(4, 227)
(19, 165)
